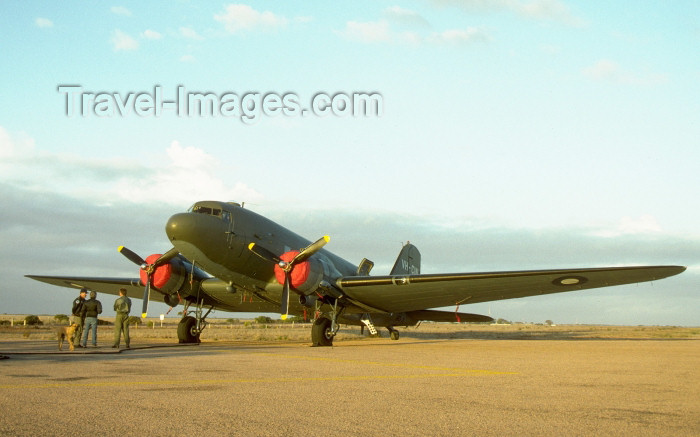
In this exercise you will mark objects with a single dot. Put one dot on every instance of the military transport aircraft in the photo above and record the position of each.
(227, 257)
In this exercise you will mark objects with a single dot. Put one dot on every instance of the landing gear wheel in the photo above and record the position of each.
(321, 332)
(187, 330)
(394, 334)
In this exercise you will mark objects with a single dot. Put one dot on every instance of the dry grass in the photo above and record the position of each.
(220, 330)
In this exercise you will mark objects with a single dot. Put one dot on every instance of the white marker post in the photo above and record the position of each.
(162, 317)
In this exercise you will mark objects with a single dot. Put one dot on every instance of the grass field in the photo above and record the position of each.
(249, 330)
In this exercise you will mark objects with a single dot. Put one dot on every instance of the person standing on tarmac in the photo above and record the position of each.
(77, 317)
(122, 306)
(91, 309)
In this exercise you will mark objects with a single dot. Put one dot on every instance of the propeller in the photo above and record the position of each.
(149, 269)
(288, 266)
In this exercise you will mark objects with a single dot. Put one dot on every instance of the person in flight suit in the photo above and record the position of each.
(91, 309)
(76, 316)
(122, 306)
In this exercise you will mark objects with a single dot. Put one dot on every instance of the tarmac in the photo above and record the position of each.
(436, 387)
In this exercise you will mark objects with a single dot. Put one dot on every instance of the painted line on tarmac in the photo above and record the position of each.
(249, 380)
(379, 363)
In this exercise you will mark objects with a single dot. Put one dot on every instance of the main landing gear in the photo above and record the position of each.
(189, 328)
(321, 332)
(326, 327)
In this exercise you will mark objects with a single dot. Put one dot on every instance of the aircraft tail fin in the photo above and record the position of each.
(408, 261)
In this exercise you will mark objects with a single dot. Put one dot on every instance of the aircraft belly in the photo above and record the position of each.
(241, 302)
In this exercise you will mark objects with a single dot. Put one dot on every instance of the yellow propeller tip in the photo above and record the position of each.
(283, 316)
(143, 315)
(119, 249)
(250, 246)
(327, 238)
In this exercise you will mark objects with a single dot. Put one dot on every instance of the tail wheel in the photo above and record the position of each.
(187, 330)
(321, 332)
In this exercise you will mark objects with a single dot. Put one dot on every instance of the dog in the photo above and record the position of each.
(66, 332)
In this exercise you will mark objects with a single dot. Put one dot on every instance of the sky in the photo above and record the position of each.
(494, 135)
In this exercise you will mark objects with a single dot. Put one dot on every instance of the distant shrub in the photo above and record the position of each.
(60, 318)
(33, 320)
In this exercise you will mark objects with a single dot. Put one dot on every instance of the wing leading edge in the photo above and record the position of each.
(100, 285)
(400, 293)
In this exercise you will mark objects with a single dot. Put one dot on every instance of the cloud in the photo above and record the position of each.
(540, 10)
(547, 10)
(190, 33)
(81, 238)
(43, 22)
(184, 174)
(238, 18)
(645, 224)
(303, 19)
(382, 32)
(71, 220)
(405, 17)
(151, 34)
(459, 36)
(605, 70)
(368, 32)
(123, 42)
(15, 147)
(120, 10)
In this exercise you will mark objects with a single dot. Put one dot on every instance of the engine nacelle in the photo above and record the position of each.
(177, 276)
(167, 278)
(305, 277)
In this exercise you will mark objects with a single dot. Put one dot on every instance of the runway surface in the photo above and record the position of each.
(368, 387)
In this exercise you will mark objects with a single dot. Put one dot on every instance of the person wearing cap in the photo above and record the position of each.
(122, 306)
(91, 309)
(76, 316)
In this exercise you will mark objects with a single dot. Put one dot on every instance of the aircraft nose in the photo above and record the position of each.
(181, 226)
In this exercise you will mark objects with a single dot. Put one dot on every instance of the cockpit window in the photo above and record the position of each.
(206, 210)
(209, 210)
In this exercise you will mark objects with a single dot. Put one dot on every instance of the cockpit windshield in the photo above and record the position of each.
(210, 210)
(200, 209)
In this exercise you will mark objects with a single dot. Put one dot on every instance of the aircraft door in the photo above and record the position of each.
(233, 239)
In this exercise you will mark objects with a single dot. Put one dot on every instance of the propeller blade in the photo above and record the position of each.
(284, 310)
(167, 256)
(146, 297)
(263, 253)
(131, 256)
(311, 249)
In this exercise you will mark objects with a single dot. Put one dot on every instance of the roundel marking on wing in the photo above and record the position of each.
(570, 280)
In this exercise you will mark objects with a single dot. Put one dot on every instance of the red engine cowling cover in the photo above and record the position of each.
(298, 275)
(304, 277)
(167, 277)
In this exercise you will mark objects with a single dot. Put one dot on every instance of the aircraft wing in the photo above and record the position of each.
(399, 293)
(100, 285)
